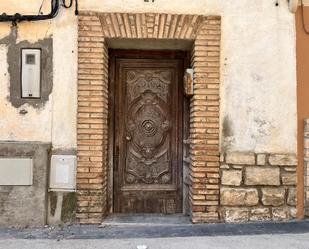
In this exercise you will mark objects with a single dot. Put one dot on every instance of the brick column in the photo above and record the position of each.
(92, 121)
(306, 165)
(204, 123)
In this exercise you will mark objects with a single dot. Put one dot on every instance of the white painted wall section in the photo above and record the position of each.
(65, 81)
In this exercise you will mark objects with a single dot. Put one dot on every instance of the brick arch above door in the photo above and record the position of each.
(93, 95)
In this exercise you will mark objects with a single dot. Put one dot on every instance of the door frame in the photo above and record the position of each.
(114, 54)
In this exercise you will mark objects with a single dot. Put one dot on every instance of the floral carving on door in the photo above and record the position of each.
(147, 127)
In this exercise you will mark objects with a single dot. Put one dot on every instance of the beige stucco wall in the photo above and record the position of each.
(56, 121)
(258, 93)
(65, 80)
(36, 124)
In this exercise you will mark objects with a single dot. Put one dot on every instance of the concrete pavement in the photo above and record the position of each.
(282, 241)
(160, 235)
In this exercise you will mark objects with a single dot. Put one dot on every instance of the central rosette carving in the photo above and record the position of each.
(147, 126)
(150, 128)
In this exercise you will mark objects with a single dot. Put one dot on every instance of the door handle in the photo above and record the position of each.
(128, 138)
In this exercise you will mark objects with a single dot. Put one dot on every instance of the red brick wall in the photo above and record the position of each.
(92, 121)
(204, 122)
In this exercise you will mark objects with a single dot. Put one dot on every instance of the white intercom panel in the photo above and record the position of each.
(31, 73)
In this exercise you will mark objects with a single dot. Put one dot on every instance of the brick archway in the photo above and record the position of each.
(92, 121)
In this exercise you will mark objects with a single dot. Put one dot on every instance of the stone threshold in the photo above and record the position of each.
(146, 220)
(163, 231)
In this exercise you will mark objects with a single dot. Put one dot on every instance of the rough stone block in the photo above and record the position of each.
(243, 158)
(283, 159)
(307, 212)
(238, 166)
(307, 180)
(260, 214)
(306, 143)
(293, 212)
(236, 214)
(307, 194)
(231, 177)
(261, 159)
(306, 152)
(273, 196)
(290, 169)
(224, 166)
(280, 213)
(239, 197)
(288, 178)
(292, 197)
(262, 176)
(307, 167)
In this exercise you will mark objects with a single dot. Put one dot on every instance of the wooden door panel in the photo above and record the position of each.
(148, 136)
(147, 127)
(149, 202)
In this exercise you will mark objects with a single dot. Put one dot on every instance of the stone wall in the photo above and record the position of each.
(306, 166)
(257, 187)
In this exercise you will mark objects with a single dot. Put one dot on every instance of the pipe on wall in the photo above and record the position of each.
(16, 18)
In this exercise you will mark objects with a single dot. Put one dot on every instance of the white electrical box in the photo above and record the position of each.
(31, 73)
(16, 171)
(63, 173)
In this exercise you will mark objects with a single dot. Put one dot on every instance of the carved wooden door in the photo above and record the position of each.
(148, 136)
